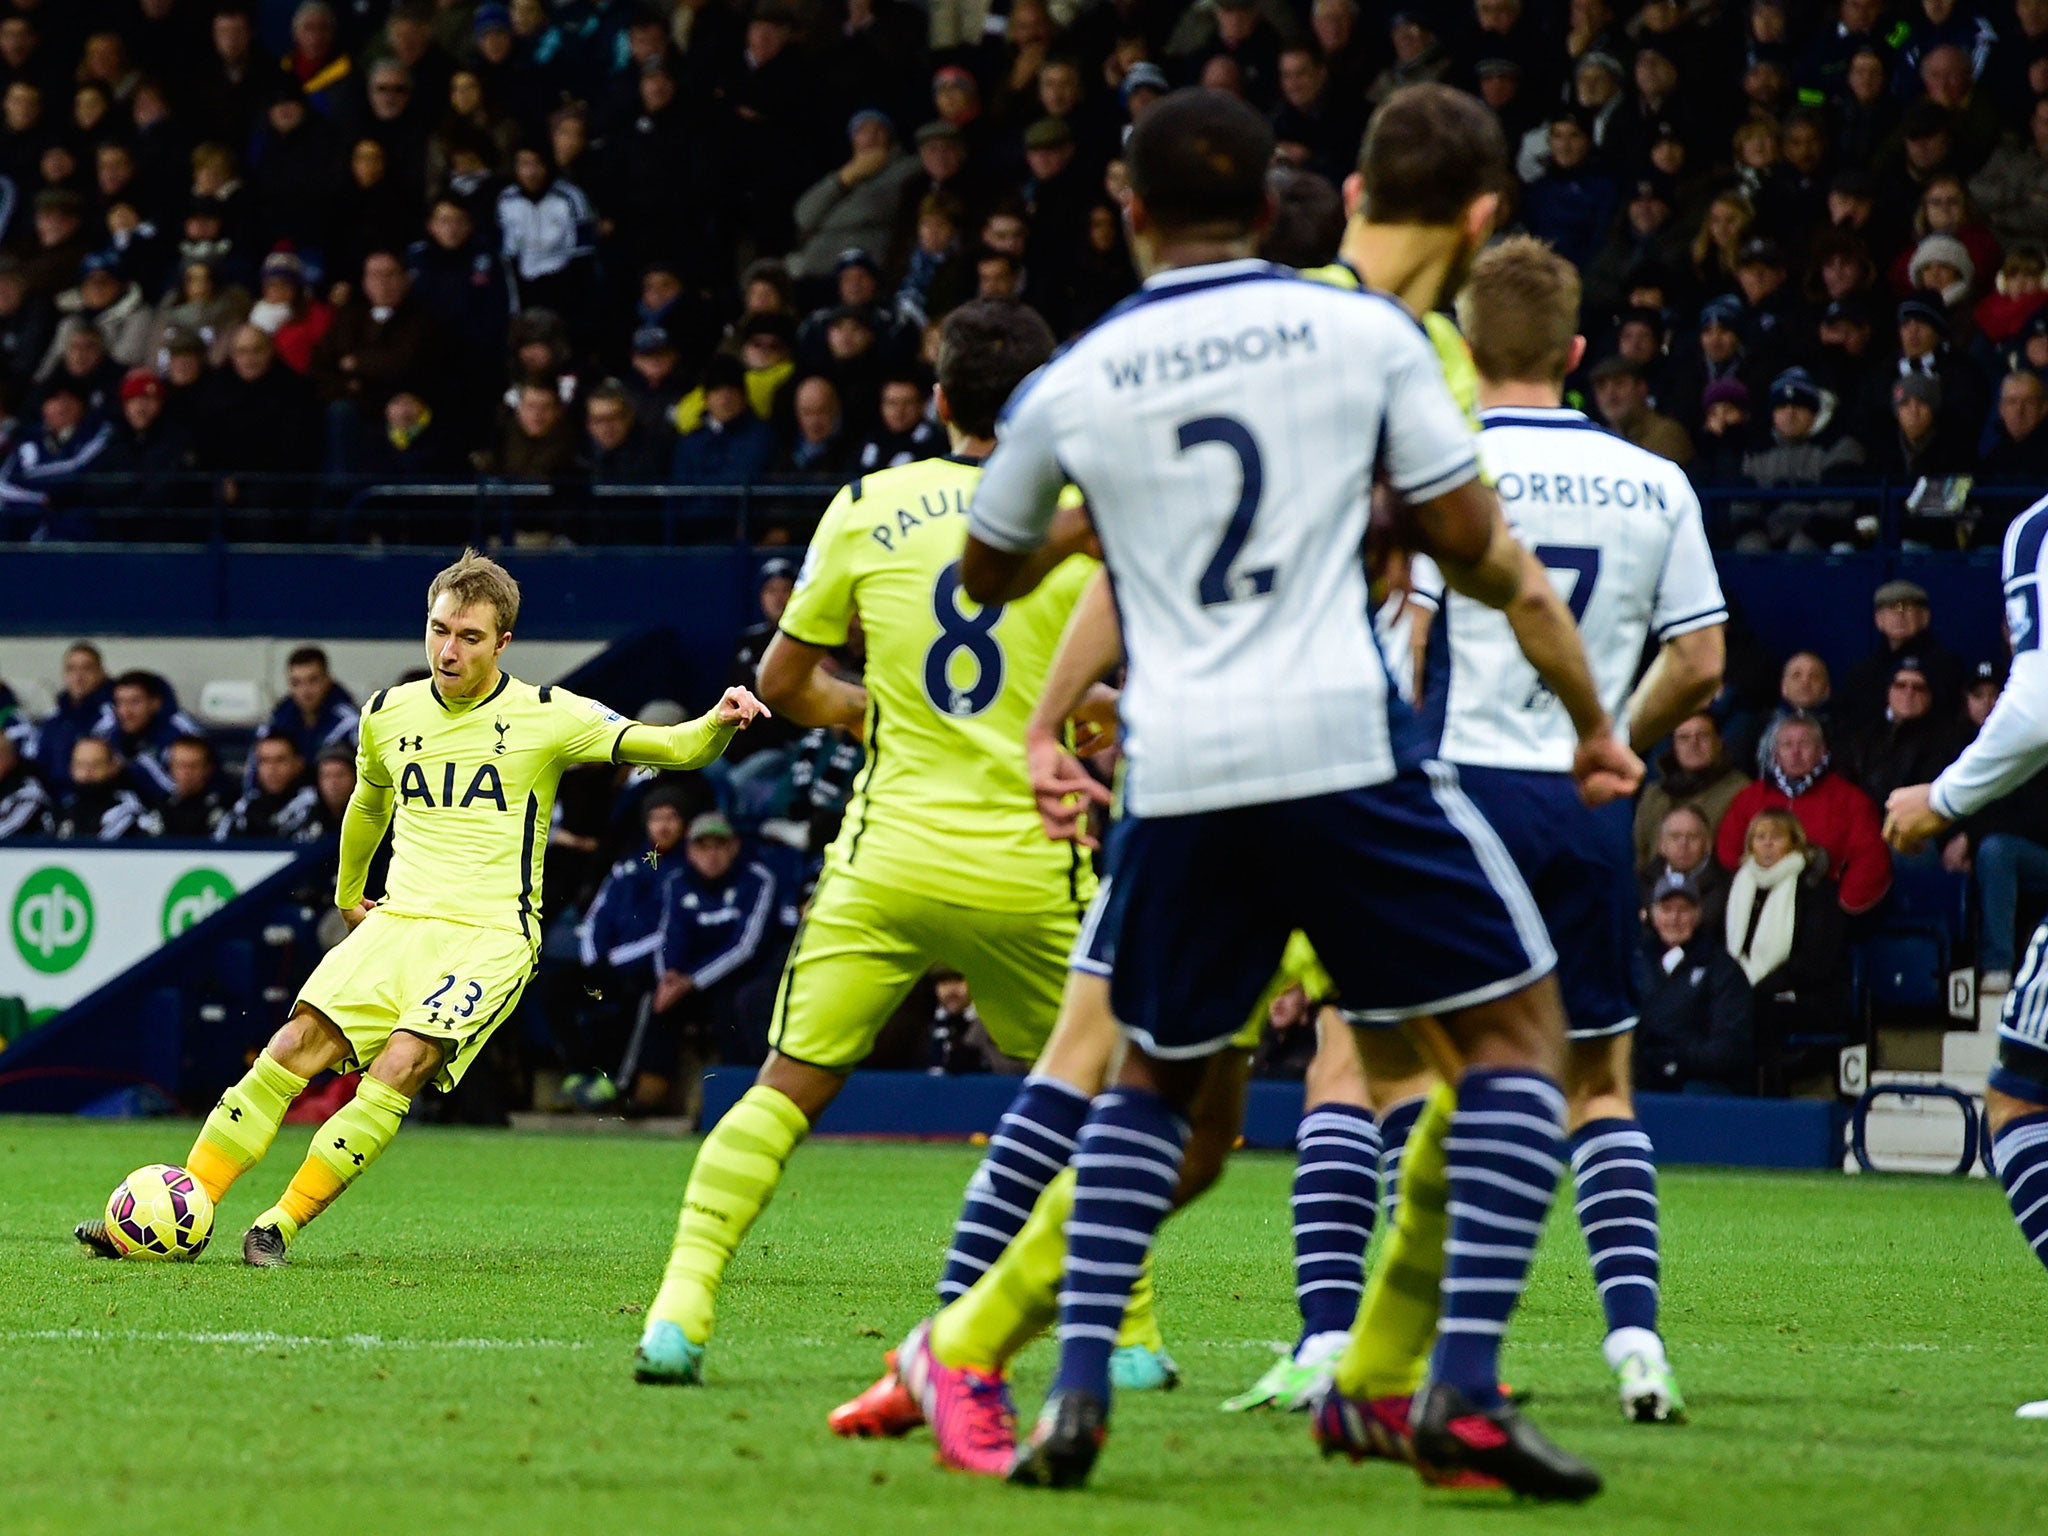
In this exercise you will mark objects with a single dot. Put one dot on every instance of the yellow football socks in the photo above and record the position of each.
(243, 1125)
(347, 1144)
(1018, 1298)
(731, 1182)
(1389, 1349)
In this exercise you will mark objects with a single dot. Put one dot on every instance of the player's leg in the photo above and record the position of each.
(1614, 1179)
(851, 965)
(1449, 899)
(2016, 1107)
(345, 1146)
(1332, 1205)
(423, 1014)
(241, 1127)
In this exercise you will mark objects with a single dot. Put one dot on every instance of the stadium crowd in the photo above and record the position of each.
(673, 898)
(628, 242)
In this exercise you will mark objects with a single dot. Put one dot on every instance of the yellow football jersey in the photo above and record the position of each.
(472, 784)
(1451, 351)
(943, 806)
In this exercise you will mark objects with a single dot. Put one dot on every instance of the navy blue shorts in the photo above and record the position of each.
(1579, 864)
(1412, 902)
(1095, 946)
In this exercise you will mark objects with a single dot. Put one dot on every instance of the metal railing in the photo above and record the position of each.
(327, 509)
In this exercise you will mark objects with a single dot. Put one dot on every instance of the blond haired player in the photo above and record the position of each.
(463, 767)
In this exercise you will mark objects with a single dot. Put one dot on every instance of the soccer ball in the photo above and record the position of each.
(159, 1212)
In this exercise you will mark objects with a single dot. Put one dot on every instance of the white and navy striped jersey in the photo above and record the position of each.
(1226, 424)
(2012, 745)
(1619, 529)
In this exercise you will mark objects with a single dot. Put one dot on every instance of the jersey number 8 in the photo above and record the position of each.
(973, 633)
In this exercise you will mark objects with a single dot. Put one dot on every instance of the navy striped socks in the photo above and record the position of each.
(1504, 1154)
(1126, 1168)
(1616, 1183)
(1030, 1146)
(1396, 1125)
(2020, 1155)
(1333, 1202)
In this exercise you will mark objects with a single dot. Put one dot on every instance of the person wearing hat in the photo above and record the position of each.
(1925, 347)
(951, 170)
(289, 311)
(1724, 435)
(114, 305)
(1237, 30)
(1778, 322)
(1143, 84)
(65, 444)
(1647, 234)
(1695, 1032)
(57, 253)
(716, 911)
(1806, 448)
(1419, 55)
(145, 448)
(856, 206)
(1622, 392)
(1571, 206)
(1904, 623)
(1910, 743)
(1927, 440)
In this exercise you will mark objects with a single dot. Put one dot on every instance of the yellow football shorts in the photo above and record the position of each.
(448, 982)
(863, 946)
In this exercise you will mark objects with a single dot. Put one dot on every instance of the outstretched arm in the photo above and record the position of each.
(693, 743)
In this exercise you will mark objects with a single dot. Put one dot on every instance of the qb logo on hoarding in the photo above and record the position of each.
(52, 920)
(196, 896)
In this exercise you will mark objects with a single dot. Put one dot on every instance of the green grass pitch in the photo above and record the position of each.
(449, 1353)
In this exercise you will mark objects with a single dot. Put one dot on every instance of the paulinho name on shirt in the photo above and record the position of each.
(1183, 360)
(930, 507)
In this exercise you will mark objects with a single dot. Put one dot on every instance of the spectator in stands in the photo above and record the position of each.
(732, 447)
(2018, 448)
(334, 781)
(818, 445)
(548, 233)
(382, 340)
(111, 305)
(1929, 440)
(79, 358)
(39, 483)
(1788, 937)
(25, 803)
(1838, 819)
(280, 806)
(99, 806)
(1623, 395)
(1910, 745)
(539, 440)
(655, 383)
(85, 707)
(1806, 448)
(1695, 771)
(1696, 1031)
(1685, 847)
(146, 721)
(1724, 436)
(750, 776)
(60, 243)
(316, 711)
(2012, 188)
(905, 433)
(1925, 349)
(617, 450)
(619, 942)
(148, 451)
(715, 913)
(856, 206)
(289, 312)
(1573, 203)
(27, 322)
(1904, 621)
(256, 416)
(1805, 687)
(959, 1042)
(195, 807)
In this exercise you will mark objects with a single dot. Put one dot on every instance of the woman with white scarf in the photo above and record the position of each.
(1785, 931)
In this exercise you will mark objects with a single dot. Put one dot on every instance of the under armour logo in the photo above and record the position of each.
(341, 1145)
(410, 743)
(501, 728)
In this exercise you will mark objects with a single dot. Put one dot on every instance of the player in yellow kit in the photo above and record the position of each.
(940, 859)
(463, 766)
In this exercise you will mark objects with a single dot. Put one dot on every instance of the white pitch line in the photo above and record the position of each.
(264, 1340)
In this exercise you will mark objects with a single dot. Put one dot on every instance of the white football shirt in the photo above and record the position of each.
(1226, 424)
(1619, 529)
(2012, 745)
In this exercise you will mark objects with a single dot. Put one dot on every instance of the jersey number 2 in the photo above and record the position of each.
(1219, 583)
(972, 633)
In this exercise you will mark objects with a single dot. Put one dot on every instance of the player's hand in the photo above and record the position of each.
(354, 915)
(738, 707)
(1064, 791)
(1073, 533)
(1606, 770)
(1096, 721)
(1910, 818)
